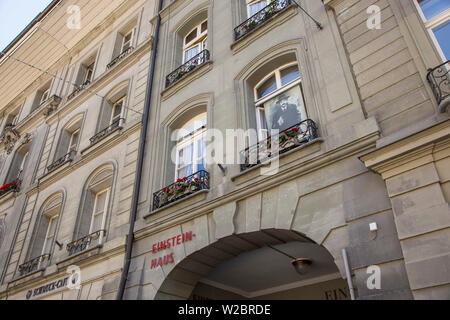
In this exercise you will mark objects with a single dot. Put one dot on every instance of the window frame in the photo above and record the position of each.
(89, 77)
(259, 102)
(132, 32)
(431, 24)
(46, 94)
(200, 41)
(192, 138)
(104, 213)
(113, 107)
(73, 147)
(51, 219)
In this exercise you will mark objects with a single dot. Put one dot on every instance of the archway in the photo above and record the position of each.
(256, 266)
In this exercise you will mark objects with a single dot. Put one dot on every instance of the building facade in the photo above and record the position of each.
(282, 160)
(70, 125)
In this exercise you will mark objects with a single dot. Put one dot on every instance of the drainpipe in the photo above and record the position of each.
(137, 182)
(348, 274)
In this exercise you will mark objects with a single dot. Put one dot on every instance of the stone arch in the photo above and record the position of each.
(271, 217)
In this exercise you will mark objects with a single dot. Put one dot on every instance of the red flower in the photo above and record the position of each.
(196, 179)
(295, 130)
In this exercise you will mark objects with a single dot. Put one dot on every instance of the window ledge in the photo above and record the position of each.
(239, 178)
(197, 196)
(8, 196)
(26, 278)
(103, 141)
(80, 256)
(186, 80)
(261, 29)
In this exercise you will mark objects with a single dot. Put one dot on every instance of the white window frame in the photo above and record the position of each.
(73, 146)
(89, 75)
(192, 138)
(44, 96)
(259, 102)
(250, 2)
(22, 164)
(200, 41)
(114, 106)
(52, 219)
(433, 23)
(103, 213)
(132, 32)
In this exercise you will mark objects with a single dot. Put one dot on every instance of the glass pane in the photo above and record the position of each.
(270, 85)
(186, 171)
(97, 223)
(74, 140)
(117, 109)
(190, 53)
(257, 6)
(52, 227)
(201, 148)
(191, 36)
(204, 26)
(101, 201)
(442, 34)
(201, 165)
(289, 74)
(432, 8)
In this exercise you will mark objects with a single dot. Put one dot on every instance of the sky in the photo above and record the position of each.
(15, 15)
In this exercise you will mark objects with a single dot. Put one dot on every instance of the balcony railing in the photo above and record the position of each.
(439, 79)
(119, 57)
(187, 68)
(181, 189)
(78, 90)
(116, 125)
(33, 265)
(274, 7)
(12, 186)
(289, 139)
(86, 242)
(61, 161)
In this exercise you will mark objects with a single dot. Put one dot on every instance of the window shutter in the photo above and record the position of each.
(118, 45)
(86, 215)
(105, 116)
(39, 237)
(63, 145)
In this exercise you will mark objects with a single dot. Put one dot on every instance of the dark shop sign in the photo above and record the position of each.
(47, 288)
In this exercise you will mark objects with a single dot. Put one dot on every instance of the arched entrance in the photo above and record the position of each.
(256, 266)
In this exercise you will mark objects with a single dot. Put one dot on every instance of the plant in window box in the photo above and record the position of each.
(289, 138)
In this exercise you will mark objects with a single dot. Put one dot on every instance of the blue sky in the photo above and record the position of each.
(15, 15)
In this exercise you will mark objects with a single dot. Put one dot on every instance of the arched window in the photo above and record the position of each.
(19, 164)
(195, 41)
(279, 100)
(191, 147)
(69, 139)
(95, 205)
(44, 234)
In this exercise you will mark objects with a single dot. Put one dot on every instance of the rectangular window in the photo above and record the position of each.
(128, 40)
(436, 16)
(99, 213)
(89, 73)
(74, 140)
(50, 235)
(117, 110)
(254, 7)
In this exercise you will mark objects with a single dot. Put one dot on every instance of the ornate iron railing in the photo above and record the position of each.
(116, 125)
(439, 79)
(12, 186)
(83, 244)
(272, 9)
(78, 90)
(119, 57)
(289, 139)
(61, 161)
(33, 265)
(181, 189)
(187, 67)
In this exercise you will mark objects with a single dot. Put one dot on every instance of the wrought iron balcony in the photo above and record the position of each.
(181, 189)
(116, 125)
(33, 265)
(61, 161)
(439, 79)
(119, 57)
(274, 7)
(12, 186)
(84, 243)
(78, 90)
(187, 68)
(289, 139)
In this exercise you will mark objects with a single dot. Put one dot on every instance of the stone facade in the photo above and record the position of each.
(381, 155)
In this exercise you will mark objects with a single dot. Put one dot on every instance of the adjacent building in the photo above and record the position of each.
(339, 188)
